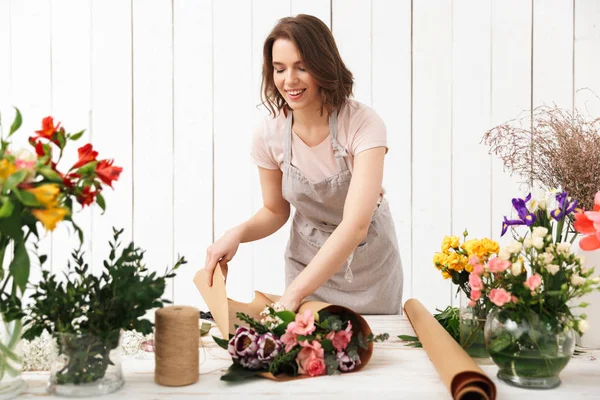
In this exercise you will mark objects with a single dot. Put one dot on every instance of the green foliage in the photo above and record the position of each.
(93, 310)
(450, 321)
(285, 362)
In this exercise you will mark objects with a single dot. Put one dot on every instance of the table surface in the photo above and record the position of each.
(395, 371)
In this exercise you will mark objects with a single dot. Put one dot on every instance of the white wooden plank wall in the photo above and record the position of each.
(170, 90)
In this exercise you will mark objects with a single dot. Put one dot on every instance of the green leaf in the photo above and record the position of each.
(11, 225)
(237, 373)
(500, 343)
(27, 198)
(408, 338)
(7, 207)
(204, 328)
(100, 201)
(19, 266)
(14, 180)
(327, 345)
(16, 123)
(222, 343)
(286, 316)
(50, 174)
(77, 135)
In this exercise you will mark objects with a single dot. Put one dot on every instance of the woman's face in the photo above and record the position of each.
(298, 88)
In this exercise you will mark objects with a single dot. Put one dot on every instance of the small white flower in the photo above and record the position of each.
(546, 258)
(564, 248)
(577, 280)
(596, 279)
(539, 231)
(516, 268)
(585, 270)
(527, 242)
(542, 204)
(583, 325)
(552, 268)
(504, 254)
(581, 259)
(550, 247)
(25, 155)
(538, 242)
(514, 247)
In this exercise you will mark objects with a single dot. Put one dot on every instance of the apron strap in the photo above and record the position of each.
(287, 141)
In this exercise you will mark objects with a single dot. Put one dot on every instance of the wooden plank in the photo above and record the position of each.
(431, 177)
(232, 139)
(392, 100)
(268, 253)
(471, 163)
(319, 8)
(153, 133)
(6, 110)
(193, 162)
(71, 95)
(511, 97)
(111, 124)
(553, 53)
(351, 25)
(587, 57)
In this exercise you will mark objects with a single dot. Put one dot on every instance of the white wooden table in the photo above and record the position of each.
(394, 372)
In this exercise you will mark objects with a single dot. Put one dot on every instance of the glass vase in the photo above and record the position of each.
(471, 327)
(11, 381)
(85, 365)
(529, 351)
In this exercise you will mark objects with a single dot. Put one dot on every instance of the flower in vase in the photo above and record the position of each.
(588, 224)
(499, 297)
(533, 282)
(565, 206)
(497, 264)
(525, 216)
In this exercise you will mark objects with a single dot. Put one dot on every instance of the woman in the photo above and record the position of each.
(323, 153)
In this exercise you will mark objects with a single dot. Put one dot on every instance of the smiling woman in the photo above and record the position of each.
(323, 153)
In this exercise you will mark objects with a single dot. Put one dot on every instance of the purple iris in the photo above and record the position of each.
(564, 206)
(525, 217)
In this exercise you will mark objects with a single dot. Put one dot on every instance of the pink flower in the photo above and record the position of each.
(499, 297)
(289, 339)
(497, 264)
(533, 282)
(472, 303)
(475, 282)
(475, 295)
(304, 324)
(341, 340)
(514, 299)
(310, 359)
(474, 260)
(478, 269)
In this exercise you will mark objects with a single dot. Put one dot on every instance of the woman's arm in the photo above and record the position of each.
(272, 216)
(360, 204)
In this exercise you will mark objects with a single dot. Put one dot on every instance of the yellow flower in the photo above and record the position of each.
(6, 169)
(51, 216)
(456, 262)
(446, 274)
(491, 246)
(439, 260)
(449, 242)
(46, 194)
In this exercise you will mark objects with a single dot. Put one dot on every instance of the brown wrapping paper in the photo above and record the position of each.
(463, 378)
(224, 309)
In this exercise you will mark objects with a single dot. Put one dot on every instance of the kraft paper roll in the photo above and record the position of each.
(461, 376)
(176, 338)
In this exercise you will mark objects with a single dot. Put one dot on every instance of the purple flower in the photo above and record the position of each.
(525, 217)
(251, 362)
(268, 347)
(243, 344)
(345, 362)
(564, 206)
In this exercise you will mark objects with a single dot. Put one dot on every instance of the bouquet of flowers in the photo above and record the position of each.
(307, 343)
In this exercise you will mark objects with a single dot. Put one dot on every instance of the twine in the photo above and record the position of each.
(176, 346)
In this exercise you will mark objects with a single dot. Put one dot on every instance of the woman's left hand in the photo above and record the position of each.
(289, 301)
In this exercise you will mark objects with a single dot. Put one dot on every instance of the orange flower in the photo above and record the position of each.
(48, 128)
(50, 217)
(46, 194)
(86, 155)
(86, 197)
(107, 173)
(588, 223)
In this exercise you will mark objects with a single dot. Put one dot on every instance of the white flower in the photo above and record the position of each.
(516, 268)
(552, 268)
(581, 259)
(539, 231)
(583, 325)
(585, 270)
(504, 254)
(514, 247)
(527, 242)
(577, 280)
(546, 258)
(550, 247)
(596, 279)
(25, 155)
(538, 242)
(564, 248)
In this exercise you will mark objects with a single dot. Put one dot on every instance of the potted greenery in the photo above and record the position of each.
(86, 314)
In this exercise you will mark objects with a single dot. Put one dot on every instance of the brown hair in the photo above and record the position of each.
(321, 57)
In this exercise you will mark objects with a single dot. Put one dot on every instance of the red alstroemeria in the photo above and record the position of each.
(86, 197)
(48, 128)
(106, 172)
(588, 224)
(86, 155)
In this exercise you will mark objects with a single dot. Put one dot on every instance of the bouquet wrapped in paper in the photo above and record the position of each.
(264, 339)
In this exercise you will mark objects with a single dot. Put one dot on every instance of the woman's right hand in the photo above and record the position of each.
(221, 252)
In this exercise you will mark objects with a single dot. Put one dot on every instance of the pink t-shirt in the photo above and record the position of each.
(359, 129)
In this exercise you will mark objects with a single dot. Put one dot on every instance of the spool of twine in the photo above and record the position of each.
(176, 339)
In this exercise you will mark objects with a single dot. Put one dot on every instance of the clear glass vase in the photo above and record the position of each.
(471, 327)
(11, 381)
(85, 365)
(529, 351)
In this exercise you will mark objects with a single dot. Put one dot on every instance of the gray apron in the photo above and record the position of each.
(370, 282)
